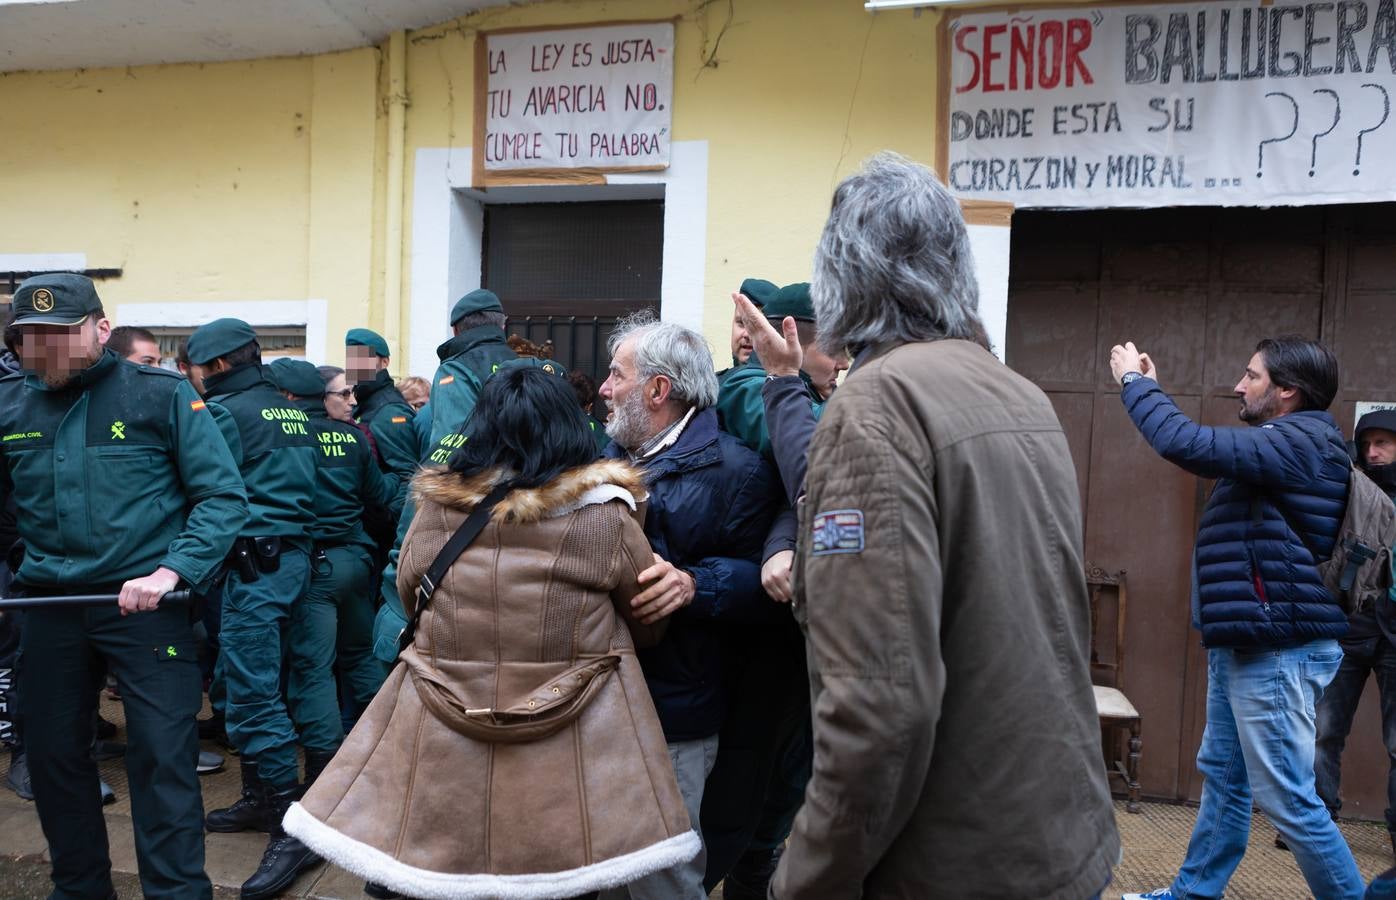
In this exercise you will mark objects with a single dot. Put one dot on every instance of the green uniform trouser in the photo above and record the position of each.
(249, 665)
(335, 620)
(157, 666)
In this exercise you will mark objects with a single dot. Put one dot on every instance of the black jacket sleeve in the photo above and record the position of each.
(790, 419)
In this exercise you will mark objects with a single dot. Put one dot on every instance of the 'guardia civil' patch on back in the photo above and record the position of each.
(837, 531)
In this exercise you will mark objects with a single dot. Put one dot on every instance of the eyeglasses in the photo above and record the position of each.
(344, 394)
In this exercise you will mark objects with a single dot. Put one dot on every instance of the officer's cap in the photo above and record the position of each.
(476, 301)
(59, 298)
(1384, 419)
(296, 376)
(218, 338)
(362, 337)
(792, 300)
(531, 362)
(759, 291)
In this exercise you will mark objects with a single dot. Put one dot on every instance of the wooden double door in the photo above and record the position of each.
(1197, 289)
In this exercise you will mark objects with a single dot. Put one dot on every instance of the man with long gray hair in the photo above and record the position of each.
(711, 503)
(940, 583)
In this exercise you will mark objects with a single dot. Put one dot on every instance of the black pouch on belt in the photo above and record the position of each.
(268, 551)
(243, 560)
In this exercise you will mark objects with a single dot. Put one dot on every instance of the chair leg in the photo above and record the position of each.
(1132, 780)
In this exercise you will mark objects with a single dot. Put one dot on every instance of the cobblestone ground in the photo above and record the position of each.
(1154, 841)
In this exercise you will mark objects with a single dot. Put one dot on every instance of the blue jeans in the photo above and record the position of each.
(1375, 656)
(1259, 743)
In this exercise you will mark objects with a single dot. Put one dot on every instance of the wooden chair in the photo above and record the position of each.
(1117, 714)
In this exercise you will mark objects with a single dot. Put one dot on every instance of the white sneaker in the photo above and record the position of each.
(209, 762)
(1160, 894)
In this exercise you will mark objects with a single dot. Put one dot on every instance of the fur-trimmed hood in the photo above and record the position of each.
(597, 482)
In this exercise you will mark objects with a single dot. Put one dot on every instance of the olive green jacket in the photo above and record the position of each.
(270, 440)
(347, 479)
(389, 419)
(742, 410)
(115, 475)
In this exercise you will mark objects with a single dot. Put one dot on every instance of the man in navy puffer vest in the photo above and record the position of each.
(1269, 624)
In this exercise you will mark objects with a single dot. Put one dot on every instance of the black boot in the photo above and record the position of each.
(251, 813)
(285, 856)
(751, 876)
(315, 762)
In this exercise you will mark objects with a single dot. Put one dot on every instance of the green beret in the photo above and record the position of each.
(218, 338)
(60, 298)
(792, 300)
(473, 302)
(296, 376)
(759, 291)
(552, 367)
(362, 337)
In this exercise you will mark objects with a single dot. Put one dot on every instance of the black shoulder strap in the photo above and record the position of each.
(468, 531)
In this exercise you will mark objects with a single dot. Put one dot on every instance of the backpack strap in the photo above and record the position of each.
(466, 534)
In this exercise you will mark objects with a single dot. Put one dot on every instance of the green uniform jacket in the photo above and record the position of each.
(271, 443)
(390, 420)
(115, 476)
(466, 361)
(347, 479)
(742, 410)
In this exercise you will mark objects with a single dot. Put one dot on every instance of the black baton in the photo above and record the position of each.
(79, 600)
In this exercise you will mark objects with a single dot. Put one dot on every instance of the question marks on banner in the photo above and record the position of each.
(1385, 114)
(1337, 117)
(1260, 151)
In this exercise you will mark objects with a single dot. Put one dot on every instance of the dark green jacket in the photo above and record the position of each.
(389, 419)
(115, 476)
(466, 361)
(742, 410)
(271, 443)
(347, 479)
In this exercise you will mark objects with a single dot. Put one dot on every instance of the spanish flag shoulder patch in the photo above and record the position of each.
(398, 420)
(197, 405)
(447, 380)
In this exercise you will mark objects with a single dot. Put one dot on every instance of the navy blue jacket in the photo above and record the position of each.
(1276, 509)
(711, 502)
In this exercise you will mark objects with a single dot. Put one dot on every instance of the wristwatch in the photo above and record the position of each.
(1130, 377)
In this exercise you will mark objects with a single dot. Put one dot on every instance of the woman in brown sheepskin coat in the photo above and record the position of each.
(514, 751)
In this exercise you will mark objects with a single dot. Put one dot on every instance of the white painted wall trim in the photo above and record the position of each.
(43, 262)
(990, 245)
(312, 314)
(448, 227)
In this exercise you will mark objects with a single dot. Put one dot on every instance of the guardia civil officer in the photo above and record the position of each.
(122, 485)
(269, 571)
(476, 351)
(380, 405)
(335, 619)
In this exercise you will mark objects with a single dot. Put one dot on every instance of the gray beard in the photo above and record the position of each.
(629, 424)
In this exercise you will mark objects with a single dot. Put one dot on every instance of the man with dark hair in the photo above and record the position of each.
(1270, 626)
(475, 351)
(268, 574)
(169, 501)
(381, 408)
(333, 623)
(135, 345)
(1369, 647)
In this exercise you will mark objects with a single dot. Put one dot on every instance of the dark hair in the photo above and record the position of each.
(182, 353)
(125, 336)
(528, 423)
(329, 373)
(583, 386)
(1304, 365)
(476, 319)
(248, 353)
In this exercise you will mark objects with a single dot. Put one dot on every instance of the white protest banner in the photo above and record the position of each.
(1215, 103)
(589, 97)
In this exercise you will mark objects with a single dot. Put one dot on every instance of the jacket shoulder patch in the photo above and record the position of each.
(837, 531)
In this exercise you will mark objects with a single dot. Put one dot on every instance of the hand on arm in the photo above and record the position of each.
(667, 590)
(775, 576)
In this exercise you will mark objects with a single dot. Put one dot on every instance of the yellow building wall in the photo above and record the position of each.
(791, 95)
(265, 180)
(230, 182)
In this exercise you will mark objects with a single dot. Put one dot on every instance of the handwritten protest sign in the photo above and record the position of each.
(1215, 103)
(593, 97)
